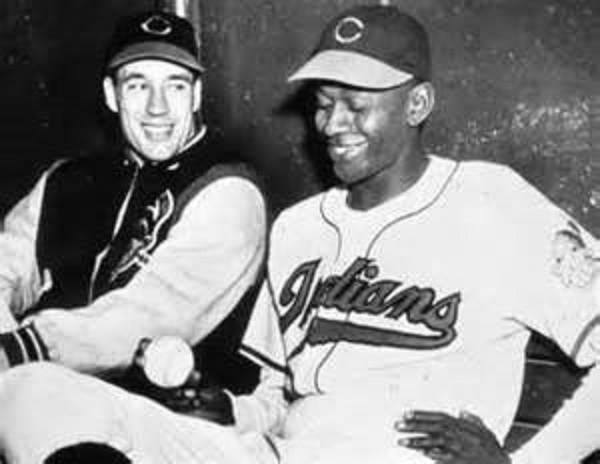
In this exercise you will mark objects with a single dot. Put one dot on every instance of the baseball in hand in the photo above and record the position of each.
(168, 361)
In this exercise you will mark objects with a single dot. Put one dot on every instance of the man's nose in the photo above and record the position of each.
(337, 121)
(157, 102)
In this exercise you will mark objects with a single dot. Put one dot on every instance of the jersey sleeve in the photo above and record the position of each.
(195, 277)
(20, 282)
(264, 410)
(555, 272)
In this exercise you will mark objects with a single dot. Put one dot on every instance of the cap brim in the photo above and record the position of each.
(156, 50)
(351, 68)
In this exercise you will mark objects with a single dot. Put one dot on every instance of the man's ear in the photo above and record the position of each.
(197, 95)
(110, 94)
(421, 100)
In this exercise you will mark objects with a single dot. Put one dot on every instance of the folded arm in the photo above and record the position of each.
(192, 281)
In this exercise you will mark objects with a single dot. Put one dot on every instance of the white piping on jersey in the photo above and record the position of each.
(436, 196)
(413, 213)
(594, 324)
(334, 226)
(433, 198)
(118, 223)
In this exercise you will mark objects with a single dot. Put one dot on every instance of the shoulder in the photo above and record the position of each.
(76, 171)
(223, 190)
(488, 174)
(499, 186)
(73, 176)
(501, 199)
(217, 172)
(304, 212)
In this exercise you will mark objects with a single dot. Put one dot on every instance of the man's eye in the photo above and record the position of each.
(323, 105)
(357, 107)
(179, 86)
(135, 86)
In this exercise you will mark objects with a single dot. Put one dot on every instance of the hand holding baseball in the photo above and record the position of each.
(166, 361)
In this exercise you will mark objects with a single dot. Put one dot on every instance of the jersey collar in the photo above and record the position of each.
(418, 198)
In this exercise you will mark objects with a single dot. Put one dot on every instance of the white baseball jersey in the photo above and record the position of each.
(423, 302)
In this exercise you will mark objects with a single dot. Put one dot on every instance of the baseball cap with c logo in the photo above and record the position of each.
(372, 47)
(154, 35)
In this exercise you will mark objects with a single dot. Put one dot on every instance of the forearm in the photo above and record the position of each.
(192, 281)
(7, 319)
(572, 434)
(105, 334)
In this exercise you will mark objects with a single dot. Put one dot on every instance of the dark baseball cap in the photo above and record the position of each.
(153, 34)
(373, 47)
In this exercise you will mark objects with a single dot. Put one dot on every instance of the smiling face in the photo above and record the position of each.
(156, 101)
(365, 131)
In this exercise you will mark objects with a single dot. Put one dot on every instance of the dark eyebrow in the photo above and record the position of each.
(181, 77)
(172, 77)
(320, 94)
(131, 76)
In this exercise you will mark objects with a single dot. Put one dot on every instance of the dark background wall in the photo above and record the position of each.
(518, 82)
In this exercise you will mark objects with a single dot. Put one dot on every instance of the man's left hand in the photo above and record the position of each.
(451, 440)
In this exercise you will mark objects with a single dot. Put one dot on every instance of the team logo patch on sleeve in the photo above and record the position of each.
(572, 260)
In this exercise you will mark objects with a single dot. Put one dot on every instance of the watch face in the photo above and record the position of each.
(168, 361)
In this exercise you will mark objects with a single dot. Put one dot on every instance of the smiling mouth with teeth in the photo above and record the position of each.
(157, 132)
(345, 152)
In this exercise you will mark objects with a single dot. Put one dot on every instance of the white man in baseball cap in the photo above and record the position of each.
(156, 239)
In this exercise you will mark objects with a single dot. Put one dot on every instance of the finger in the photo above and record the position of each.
(413, 426)
(420, 421)
(440, 455)
(179, 405)
(422, 443)
(427, 416)
(209, 394)
(182, 393)
(194, 378)
(471, 418)
(447, 445)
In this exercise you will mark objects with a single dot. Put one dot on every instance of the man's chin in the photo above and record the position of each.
(158, 153)
(346, 176)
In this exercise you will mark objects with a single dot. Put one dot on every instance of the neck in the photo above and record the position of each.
(386, 185)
